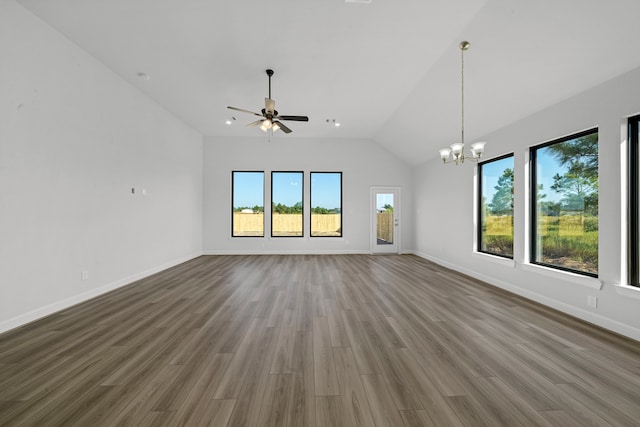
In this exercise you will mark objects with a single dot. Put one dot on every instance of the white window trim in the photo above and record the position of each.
(508, 262)
(628, 291)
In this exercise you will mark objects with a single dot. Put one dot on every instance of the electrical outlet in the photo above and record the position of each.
(592, 301)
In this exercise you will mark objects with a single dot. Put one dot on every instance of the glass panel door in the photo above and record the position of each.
(385, 220)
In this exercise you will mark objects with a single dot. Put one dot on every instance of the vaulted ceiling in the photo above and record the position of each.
(387, 70)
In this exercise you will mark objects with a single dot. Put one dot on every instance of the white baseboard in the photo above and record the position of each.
(587, 316)
(286, 252)
(38, 313)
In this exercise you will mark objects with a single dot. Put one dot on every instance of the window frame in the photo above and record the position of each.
(233, 172)
(311, 201)
(479, 210)
(533, 202)
(301, 193)
(633, 246)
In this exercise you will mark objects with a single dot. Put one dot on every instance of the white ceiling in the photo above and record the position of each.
(388, 71)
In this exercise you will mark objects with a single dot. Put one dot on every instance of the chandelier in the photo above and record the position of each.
(456, 154)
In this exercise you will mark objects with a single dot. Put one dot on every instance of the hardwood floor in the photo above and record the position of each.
(345, 340)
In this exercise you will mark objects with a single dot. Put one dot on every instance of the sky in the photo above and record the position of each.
(249, 189)
(325, 190)
(384, 199)
(286, 187)
(547, 166)
(491, 171)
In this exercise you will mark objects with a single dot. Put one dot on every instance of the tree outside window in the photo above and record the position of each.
(495, 230)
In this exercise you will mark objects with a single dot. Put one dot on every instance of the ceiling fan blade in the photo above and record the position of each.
(269, 105)
(282, 126)
(256, 123)
(295, 118)
(244, 111)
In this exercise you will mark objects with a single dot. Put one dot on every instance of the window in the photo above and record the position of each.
(495, 199)
(286, 204)
(634, 201)
(564, 201)
(247, 217)
(326, 204)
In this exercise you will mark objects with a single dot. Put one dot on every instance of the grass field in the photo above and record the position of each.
(568, 241)
(497, 237)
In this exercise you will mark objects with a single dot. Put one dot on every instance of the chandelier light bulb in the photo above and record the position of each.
(266, 125)
(456, 148)
(478, 148)
(444, 153)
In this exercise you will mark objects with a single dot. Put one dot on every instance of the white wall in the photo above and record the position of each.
(445, 218)
(74, 139)
(363, 164)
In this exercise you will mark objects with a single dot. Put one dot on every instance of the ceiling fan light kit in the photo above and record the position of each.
(455, 154)
(271, 120)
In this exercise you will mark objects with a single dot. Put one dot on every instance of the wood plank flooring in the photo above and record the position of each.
(327, 340)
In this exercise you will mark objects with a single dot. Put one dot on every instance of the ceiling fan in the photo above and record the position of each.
(271, 119)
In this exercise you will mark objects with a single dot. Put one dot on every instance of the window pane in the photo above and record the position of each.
(636, 241)
(286, 204)
(326, 204)
(565, 196)
(634, 201)
(496, 207)
(248, 204)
